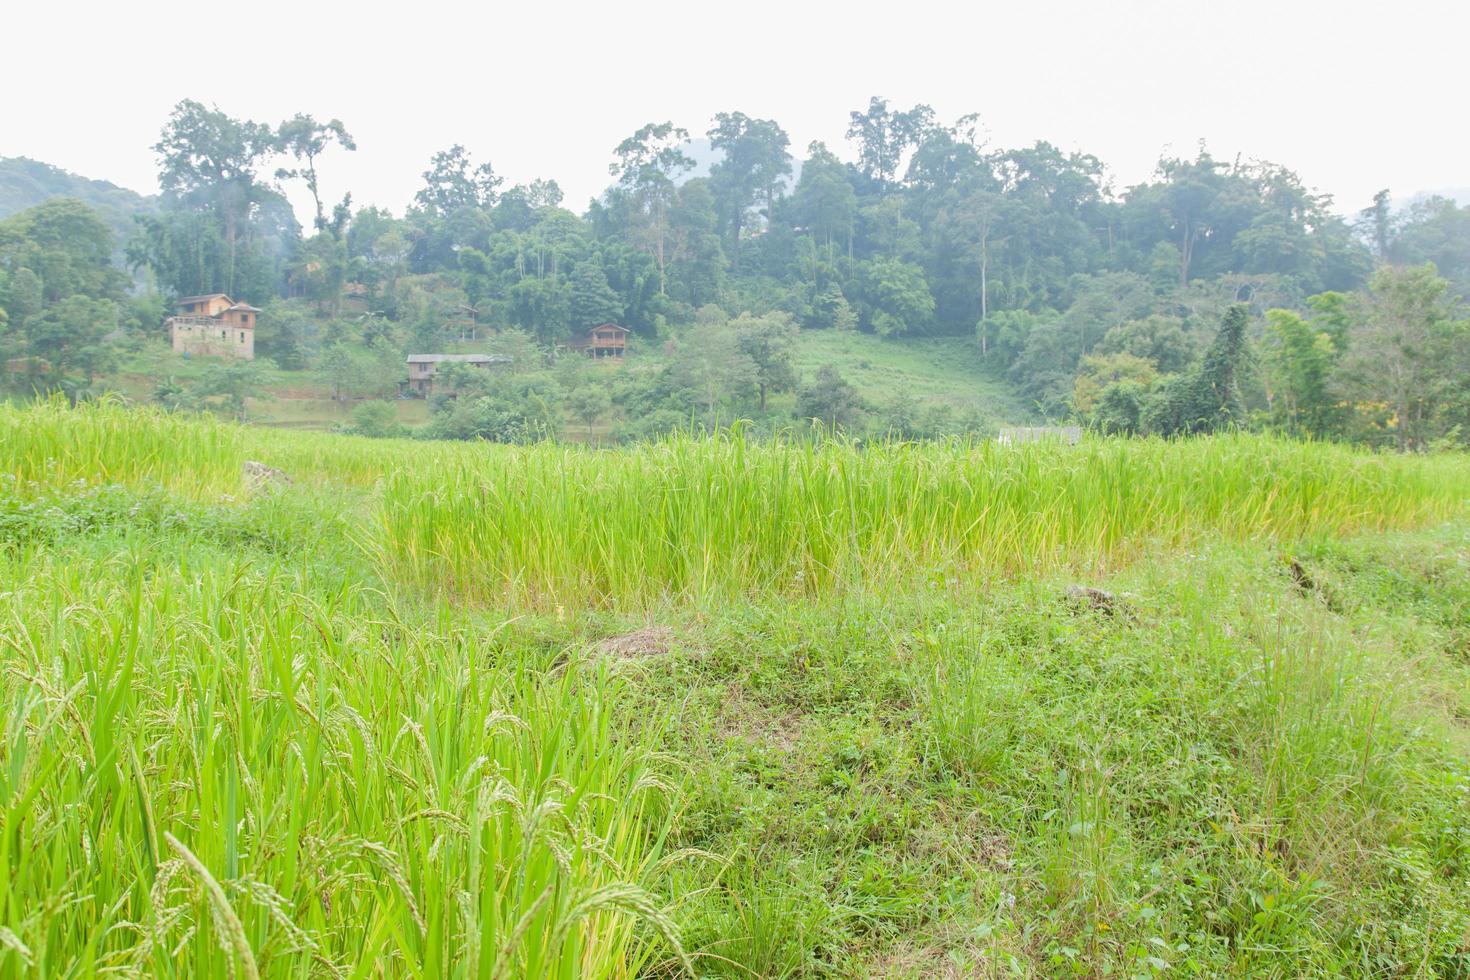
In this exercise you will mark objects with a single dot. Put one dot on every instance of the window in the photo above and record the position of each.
(242, 336)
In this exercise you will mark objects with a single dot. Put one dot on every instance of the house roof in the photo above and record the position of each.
(604, 326)
(200, 299)
(246, 307)
(466, 358)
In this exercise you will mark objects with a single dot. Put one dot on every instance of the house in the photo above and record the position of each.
(1068, 434)
(213, 326)
(423, 367)
(603, 340)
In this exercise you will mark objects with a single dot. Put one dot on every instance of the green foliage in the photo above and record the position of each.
(377, 420)
(350, 371)
(768, 342)
(753, 163)
(714, 363)
(829, 400)
(519, 410)
(592, 300)
(1301, 363)
(233, 382)
(896, 299)
(1407, 350)
(1207, 397)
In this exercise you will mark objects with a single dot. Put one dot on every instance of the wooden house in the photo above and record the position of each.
(213, 326)
(603, 340)
(423, 367)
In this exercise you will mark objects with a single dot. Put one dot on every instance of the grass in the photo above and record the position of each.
(725, 518)
(303, 731)
(933, 370)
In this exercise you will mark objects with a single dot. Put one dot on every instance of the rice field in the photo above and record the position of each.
(726, 708)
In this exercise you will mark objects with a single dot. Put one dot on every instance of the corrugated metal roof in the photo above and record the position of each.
(470, 358)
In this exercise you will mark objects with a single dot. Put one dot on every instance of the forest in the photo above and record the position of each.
(1219, 293)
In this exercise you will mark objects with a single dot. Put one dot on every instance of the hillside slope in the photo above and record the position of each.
(24, 183)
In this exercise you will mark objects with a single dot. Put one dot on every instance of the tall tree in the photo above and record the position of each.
(454, 181)
(769, 342)
(824, 203)
(754, 161)
(1376, 221)
(304, 139)
(593, 301)
(209, 159)
(1403, 350)
(883, 135)
(647, 166)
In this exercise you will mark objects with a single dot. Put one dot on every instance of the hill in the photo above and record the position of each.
(24, 183)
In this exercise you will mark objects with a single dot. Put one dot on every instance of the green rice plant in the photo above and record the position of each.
(721, 517)
(224, 771)
(51, 443)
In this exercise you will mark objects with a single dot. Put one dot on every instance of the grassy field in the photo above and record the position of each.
(933, 370)
(296, 400)
(717, 708)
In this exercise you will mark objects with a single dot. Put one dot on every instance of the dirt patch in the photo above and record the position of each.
(650, 641)
(259, 476)
(1085, 597)
(780, 731)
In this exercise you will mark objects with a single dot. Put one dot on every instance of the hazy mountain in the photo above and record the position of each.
(24, 183)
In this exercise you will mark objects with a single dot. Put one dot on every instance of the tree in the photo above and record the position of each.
(1207, 397)
(377, 420)
(829, 399)
(351, 371)
(711, 362)
(824, 203)
(769, 342)
(593, 301)
(1158, 338)
(1437, 230)
(896, 299)
(320, 270)
(1405, 345)
(453, 181)
(1299, 361)
(1119, 408)
(1376, 223)
(1100, 371)
(883, 135)
(588, 403)
(304, 139)
(235, 382)
(286, 335)
(64, 248)
(70, 336)
(208, 159)
(647, 166)
(753, 162)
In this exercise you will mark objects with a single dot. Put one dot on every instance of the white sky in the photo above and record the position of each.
(1352, 95)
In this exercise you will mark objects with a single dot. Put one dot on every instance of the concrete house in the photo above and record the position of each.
(213, 326)
(423, 367)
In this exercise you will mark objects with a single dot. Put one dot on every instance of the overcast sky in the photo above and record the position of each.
(1352, 95)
